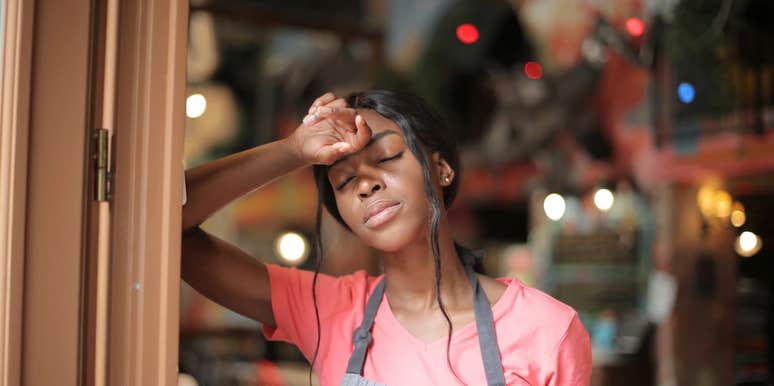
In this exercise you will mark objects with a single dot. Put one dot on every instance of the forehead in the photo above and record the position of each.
(378, 122)
(381, 129)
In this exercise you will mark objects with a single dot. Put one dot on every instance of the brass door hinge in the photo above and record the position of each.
(103, 179)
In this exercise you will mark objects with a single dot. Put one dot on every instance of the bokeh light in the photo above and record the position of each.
(554, 206)
(533, 70)
(738, 216)
(723, 203)
(291, 247)
(747, 244)
(686, 92)
(467, 33)
(603, 199)
(635, 26)
(195, 105)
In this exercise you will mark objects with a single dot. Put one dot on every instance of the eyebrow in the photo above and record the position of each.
(374, 138)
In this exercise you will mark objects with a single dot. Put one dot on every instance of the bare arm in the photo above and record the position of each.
(217, 269)
(211, 186)
(227, 275)
(221, 271)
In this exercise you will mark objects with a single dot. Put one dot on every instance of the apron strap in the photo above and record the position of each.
(487, 340)
(362, 335)
(490, 352)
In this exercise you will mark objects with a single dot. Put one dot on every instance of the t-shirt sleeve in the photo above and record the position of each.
(572, 356)
(293, 305)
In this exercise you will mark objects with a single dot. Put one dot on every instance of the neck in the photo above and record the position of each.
(410, 274)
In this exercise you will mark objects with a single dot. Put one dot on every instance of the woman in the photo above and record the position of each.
(387, 170)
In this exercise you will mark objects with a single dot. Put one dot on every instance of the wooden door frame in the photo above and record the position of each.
(14, 131)
(147, 206)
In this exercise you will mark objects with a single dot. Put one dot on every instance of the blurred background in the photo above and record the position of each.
(617, 154)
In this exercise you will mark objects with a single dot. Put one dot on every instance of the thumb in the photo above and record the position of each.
(363, 134)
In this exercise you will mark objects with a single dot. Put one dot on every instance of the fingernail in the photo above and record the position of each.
(309, 118)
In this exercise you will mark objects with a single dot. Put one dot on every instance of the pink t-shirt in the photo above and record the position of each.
(542, 341)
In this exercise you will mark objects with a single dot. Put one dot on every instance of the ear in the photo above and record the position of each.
(444, 172)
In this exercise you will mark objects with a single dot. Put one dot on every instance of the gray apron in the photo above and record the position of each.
(484, 325)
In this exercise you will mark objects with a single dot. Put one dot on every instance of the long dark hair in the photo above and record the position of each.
(425, 132)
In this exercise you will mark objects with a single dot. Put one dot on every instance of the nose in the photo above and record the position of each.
(367, 186)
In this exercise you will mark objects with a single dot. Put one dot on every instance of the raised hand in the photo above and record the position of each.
(330, 131)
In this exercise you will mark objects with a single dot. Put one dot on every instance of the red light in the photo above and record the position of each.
(533, 70)
(635, 26)
(467, 33)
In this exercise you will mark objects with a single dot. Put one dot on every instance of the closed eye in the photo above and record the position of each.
(391, 158)
(396, 156)
(344, 183)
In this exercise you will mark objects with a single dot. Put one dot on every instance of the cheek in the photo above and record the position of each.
(346, 210)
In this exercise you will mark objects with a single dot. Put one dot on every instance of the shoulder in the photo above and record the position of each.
(353, 285)
(539, 301)
(493, 288)
(538, 312)
(534, 326)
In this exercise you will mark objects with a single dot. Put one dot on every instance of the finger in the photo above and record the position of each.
(328, 154)
(339, 113)
(340, 102)
(342, 115)
(363, 134)
(322, 100)
(310, 119)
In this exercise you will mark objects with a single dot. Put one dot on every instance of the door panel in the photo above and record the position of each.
(58, 142)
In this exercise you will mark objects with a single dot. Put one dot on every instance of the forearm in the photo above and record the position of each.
(211, 186)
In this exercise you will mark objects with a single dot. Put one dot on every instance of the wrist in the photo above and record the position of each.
(293, 147)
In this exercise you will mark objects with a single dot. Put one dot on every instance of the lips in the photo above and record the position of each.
(377, 207)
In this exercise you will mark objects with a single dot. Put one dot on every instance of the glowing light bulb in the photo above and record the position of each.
(554, 206)
(604, 199)
(195, 105)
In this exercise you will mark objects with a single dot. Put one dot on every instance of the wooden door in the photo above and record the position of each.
(89, 285)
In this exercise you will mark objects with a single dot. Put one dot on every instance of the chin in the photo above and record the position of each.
(395, 236)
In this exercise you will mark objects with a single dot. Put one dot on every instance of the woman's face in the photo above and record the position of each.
(380, 190)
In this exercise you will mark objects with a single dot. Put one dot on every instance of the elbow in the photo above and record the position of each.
(191, 232)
